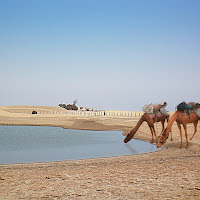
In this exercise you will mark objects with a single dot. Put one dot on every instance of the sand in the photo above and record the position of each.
(170, 173)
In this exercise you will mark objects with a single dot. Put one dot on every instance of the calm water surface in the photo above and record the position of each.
(22, 144)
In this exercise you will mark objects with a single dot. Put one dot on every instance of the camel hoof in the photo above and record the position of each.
(191, 138)
(171, 139)
(187, 146)
(180, 146)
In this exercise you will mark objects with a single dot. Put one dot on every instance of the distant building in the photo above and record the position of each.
(87, 109)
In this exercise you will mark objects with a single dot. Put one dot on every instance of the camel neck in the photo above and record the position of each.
(170, 123)
(141, 120)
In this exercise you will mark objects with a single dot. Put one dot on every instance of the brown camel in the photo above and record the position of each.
(180, 118)
(150, 121)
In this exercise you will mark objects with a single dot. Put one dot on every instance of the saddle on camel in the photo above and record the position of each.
(152, 114)
(186, 113)
(189, 107)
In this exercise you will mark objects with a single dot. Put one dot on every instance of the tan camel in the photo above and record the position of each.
(150, 121)
(180, 118)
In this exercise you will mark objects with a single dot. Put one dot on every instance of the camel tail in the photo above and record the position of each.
(134, 130)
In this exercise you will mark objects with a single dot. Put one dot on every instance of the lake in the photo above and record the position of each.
(22, 144)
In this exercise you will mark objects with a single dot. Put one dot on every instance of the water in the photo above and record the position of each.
(22, 144)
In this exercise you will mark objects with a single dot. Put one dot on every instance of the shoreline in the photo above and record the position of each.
(165, 174)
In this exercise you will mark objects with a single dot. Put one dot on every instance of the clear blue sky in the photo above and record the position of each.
(108, 54)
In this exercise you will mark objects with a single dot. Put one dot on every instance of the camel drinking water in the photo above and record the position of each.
(180, 118)
(150, 121)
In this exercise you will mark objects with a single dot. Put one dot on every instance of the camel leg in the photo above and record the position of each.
(179, 126)
(154, 133)
(170, 128)
(171, 134)
(195, 129)
(163, 125)
(151, 132)
(185, 127)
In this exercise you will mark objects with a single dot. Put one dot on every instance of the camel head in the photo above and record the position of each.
(130, 135)
(162, 139)
(128, 138)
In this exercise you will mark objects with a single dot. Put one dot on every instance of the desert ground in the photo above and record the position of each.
(171, 173)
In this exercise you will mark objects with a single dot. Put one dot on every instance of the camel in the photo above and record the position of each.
(150, 121)
(180, 118)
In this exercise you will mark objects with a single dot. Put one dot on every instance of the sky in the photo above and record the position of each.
(107, 54)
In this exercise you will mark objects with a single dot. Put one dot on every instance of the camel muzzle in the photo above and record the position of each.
(127, 139)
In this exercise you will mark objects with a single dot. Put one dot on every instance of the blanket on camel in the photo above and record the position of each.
(156, 110)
